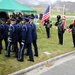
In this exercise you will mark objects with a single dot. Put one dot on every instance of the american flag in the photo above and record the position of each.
(64, 20)
(73, 22)
(64, 17)
(46, 15)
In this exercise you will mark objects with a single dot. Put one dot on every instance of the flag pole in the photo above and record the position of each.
(64, 10)
(50, 19)
(64, 18)
(50, 8)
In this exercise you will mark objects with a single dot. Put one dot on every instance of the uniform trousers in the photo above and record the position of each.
(6, 43)
(35, 47)
(48, 32)
(30, 53)
(73, 36)
(15, 49)
(0, 46)
(60, 36)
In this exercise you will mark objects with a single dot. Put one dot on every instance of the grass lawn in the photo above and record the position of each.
(9, 65)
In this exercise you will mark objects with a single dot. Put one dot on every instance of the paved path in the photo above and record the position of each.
(64, 66)
(67, 68)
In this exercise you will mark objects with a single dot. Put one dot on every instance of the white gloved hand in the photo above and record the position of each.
(10, 39)
(22, 43)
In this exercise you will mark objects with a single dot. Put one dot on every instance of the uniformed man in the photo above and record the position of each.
(26, 40)
(1, 36)
(60, 24)
(19, 27)
(34, 35)
(48, 25)
(5, 34)
(72, 26)
(13, 38)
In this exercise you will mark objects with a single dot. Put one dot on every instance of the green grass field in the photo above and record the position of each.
(9, 65)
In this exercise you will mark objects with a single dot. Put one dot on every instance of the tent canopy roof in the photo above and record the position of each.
(13, 6)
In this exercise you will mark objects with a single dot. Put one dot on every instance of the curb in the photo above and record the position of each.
(23, 71)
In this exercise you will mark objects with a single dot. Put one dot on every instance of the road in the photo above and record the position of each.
(64, 66)
(67, 68)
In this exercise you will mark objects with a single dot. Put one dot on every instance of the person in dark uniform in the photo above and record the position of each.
(4, 16)
(48, 25)
(40, 16)
(13, 38)
(72, 26)
(60, 24)
(5, 34)
(26, 40)
(34, 35)
(19, 27)
(1, 36)
(36, 18)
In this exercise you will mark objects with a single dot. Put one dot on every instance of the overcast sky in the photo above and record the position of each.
(36, 2)
(70, 0)
(55, 0)
(61, 0)
(49, 0)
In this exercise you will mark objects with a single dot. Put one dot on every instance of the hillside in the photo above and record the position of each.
(69, 6)
(58, 5)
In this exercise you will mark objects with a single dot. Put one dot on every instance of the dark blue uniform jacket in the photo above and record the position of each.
(19, 29)
(27, 33)
(13, 33)
(6, 28)
(34, 34)
(1, 31)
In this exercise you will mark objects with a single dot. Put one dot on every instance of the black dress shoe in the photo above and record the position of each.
(74, 46)
(30, 60)
(35, 55)
(20, 60)
(0, 52)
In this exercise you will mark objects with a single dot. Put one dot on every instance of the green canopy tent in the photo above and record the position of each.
(13, 6)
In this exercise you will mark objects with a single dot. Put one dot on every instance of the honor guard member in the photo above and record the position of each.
(19, 28)
(72, 26)
(5, 34)
(1, 36)
(60, 24)
(26, 40)
(13, 38)
(34, 35)
(48, 25)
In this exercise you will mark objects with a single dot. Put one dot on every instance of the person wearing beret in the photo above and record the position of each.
(26, 40)
(13, 38)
